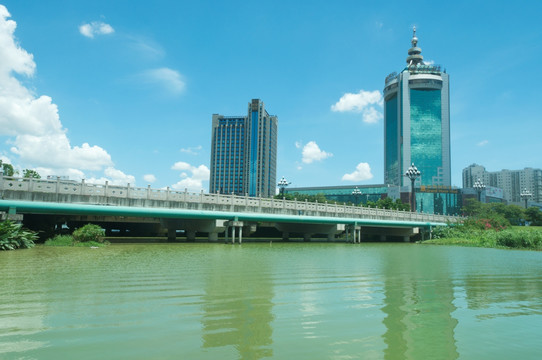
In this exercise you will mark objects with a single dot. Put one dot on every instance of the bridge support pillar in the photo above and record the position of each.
(285, 236)
(190, 235)
(234, 225)
(171, 234)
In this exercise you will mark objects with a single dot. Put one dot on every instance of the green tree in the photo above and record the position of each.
(33, 174)
(534, 216)
(7, 168)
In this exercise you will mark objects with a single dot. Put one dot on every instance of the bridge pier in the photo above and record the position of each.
(234, 225)
(171, 234)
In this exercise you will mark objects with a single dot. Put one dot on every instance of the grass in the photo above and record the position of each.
(68, 240)
(515, 237)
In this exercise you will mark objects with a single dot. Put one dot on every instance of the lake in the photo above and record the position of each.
(263, 300)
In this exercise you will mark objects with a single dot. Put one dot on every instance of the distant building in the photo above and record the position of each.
(431, 199)
(244, 153)
(512, 182)
(417, 122)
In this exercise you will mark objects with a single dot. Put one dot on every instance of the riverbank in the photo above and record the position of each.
(514, 237)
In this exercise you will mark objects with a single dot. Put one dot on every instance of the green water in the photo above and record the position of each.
(280, 301)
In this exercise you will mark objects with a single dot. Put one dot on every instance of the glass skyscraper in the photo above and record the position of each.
(244, 153)
(417, 122)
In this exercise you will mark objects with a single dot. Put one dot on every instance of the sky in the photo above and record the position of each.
(124, 91)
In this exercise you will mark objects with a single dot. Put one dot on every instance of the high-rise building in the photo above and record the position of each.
(244, 153)
(512, 182)
(417, 122)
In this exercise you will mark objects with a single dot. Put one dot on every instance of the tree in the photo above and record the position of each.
(534, 216)
(31, 174)
(7, 168)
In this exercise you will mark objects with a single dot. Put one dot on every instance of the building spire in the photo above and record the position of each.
(414, 53)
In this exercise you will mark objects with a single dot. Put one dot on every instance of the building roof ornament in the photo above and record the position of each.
(414, 53)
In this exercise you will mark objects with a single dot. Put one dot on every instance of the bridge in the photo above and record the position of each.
(53, 203)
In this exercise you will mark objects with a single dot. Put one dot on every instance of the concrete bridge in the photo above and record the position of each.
(161, 211)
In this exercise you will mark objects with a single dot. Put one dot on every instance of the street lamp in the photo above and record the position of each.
(282, 185)
(479, 187)
(412, 173)
(525, 195)
(356, 192)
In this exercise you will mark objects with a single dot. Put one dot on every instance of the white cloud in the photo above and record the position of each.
(311, 152)
(32, 123)
(95, 28)
(193, 182)
(357, 102)
(371, 115)
(146, 47)
(298, 144)
(362, 172)
(483, 143)
(114, 177)
(192, 150)
(166, 78)
(363, 102)
(150, 178)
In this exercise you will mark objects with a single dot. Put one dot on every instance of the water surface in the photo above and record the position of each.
(281, 301)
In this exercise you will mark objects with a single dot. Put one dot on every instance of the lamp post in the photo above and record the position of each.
(282, 185)
(525, 195)
(356, 192)
(479, 187)
(412, 173)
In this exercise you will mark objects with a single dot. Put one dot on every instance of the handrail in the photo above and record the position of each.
(184, 199)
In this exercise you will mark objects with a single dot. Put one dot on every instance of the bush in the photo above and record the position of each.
(89, 232)
(60, 240)
(14, 236)
(520, 239)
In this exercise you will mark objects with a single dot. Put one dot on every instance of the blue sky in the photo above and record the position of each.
(124, 90)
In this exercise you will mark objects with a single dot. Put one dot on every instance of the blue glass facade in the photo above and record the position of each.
(392, 141)
(426, 133)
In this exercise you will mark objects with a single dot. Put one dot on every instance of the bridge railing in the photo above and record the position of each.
(83, 192)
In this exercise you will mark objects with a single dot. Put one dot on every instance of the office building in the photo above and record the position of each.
(512, 182)
(417, 122)
(244, 152)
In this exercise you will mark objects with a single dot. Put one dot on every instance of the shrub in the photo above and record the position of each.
(89, 232)
(60, 240)
(14, 236)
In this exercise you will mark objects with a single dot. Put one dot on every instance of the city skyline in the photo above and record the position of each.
(124, 91)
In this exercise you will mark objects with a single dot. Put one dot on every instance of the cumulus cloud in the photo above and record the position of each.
(192, 150)
(362, 172)
(95, 28)
(150, 178)
(114, 177)
(168, 79)
(364, 102)
(312, 152)
(483, 143)
(32, 122)
(194, 181)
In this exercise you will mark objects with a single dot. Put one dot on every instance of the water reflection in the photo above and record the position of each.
(302, 301)
(238, 304)
(419, 302)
